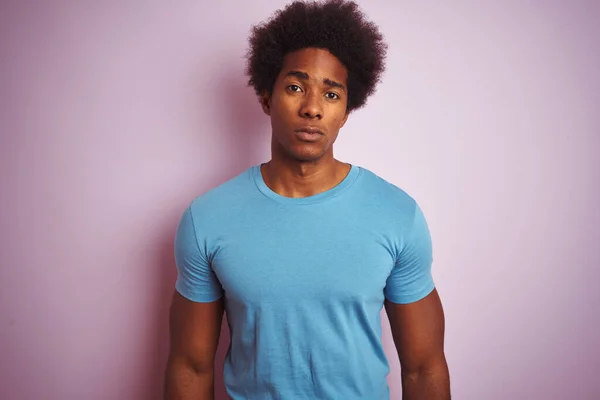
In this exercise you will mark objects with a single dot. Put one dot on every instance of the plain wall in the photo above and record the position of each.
(114, 115)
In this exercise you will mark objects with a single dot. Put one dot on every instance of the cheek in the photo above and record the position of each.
(339, 120)
(281, 109)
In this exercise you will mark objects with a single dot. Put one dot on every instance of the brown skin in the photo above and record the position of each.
(310, 91)
(418, 332)
(194, 332)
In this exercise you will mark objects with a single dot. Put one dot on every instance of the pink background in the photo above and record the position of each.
(114, 115)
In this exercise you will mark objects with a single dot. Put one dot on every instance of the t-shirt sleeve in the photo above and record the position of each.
(411, 279)
(196, 280)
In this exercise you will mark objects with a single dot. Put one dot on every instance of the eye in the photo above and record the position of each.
(294, 88)
(332, 96)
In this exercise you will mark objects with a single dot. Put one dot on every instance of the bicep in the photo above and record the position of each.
(196, 280)
(197, 305)
(410, 279)
(194, 331)
(418, 331)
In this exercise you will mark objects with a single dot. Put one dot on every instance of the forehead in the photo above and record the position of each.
(318, 63)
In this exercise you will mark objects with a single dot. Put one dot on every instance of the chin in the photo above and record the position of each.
(301, 152)
(306, 156)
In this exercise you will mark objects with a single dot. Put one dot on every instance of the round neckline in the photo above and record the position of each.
(345, 183)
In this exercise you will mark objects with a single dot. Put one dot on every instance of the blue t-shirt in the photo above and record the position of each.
(304, 281)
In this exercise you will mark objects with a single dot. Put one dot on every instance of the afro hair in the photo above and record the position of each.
(335, 25)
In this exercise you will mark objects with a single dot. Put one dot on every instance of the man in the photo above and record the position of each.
(302, 252)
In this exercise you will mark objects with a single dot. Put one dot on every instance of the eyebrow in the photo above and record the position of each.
(304, 76)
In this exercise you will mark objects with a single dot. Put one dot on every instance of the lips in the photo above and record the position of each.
(310, 129)
(309, 134)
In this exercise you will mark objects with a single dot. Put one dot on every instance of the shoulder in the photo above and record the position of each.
(225, 198)
(387, 195)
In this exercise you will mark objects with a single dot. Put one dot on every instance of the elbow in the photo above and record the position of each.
(202, 368)
(435, 367)
(192, 365)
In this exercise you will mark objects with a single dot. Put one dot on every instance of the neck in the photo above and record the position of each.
(292, 178)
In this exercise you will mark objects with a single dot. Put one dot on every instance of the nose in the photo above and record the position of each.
(311, 107)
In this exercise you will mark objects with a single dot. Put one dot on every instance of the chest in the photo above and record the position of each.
(275, 260)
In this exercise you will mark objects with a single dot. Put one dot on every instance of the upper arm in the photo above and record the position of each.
(412, 303)
(196, 280)
(410, 279)
(194, 331)
(197, 305)
(418, 332)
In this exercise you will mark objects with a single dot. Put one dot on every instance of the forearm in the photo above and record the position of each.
(431, 383)
(184, 382)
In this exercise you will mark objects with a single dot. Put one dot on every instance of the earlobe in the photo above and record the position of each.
(345, 119)
(265, 102)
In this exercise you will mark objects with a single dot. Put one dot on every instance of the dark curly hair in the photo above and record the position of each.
(336, 25)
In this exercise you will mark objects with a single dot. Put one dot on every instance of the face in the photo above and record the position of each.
(308, 105)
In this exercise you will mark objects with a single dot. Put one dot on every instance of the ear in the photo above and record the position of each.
(265, 102)
(345, 119)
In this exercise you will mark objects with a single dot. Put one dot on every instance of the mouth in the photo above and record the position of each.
(309, 134)
(310, 129)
